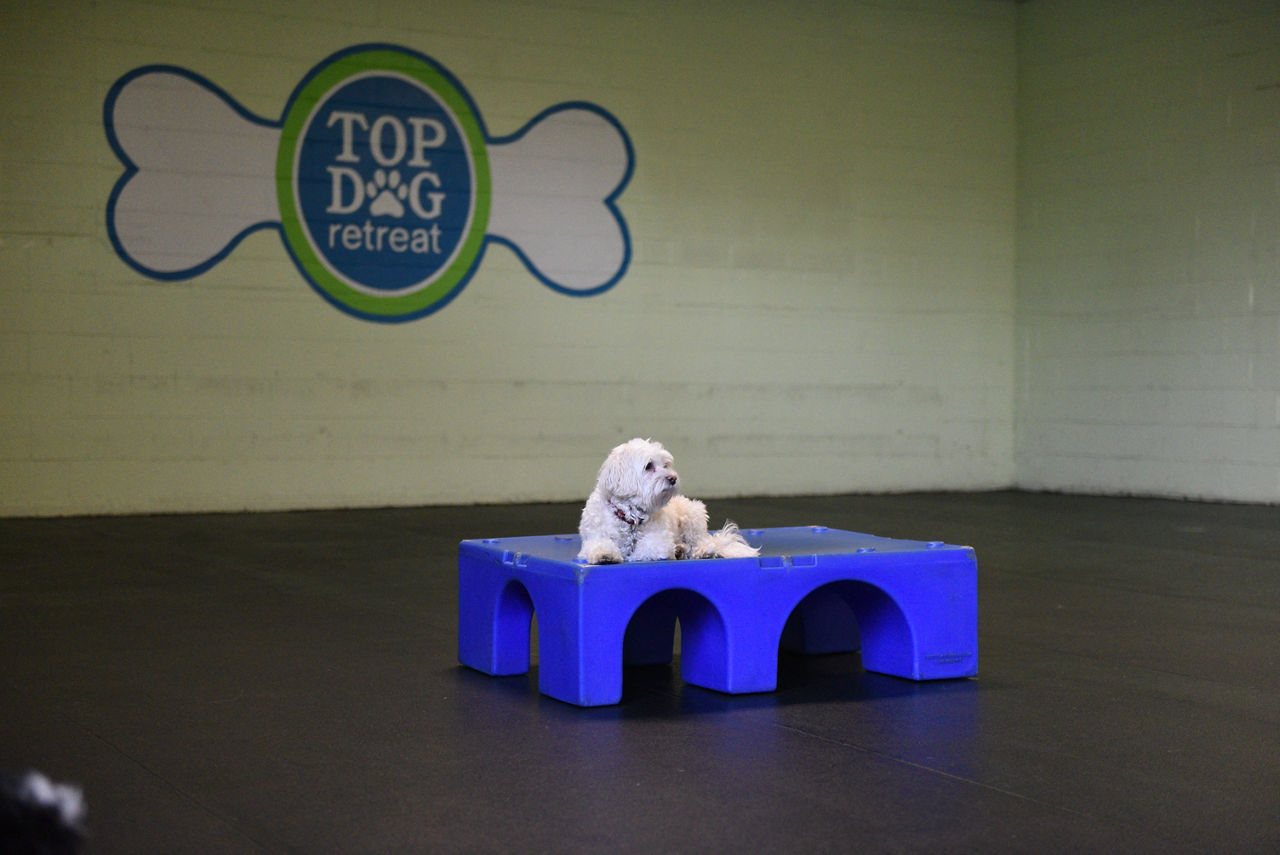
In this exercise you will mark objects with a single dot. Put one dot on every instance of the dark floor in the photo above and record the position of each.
(288, 683)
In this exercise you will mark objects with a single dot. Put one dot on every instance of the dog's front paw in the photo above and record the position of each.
(602, 552)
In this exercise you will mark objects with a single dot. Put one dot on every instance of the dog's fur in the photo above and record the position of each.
(39, 817)
(636, 513)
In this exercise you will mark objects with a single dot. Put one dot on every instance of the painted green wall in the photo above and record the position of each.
(1149, 248)
(820, 298)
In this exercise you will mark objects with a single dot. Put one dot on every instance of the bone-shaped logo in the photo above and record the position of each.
(379, 175)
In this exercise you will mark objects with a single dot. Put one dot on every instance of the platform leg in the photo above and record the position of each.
(494, 618)
(719, 653)
(887, 643)
(579, 649)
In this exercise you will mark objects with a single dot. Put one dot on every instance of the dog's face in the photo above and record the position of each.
(640, 473)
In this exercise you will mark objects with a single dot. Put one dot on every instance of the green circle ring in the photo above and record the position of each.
(306, 98)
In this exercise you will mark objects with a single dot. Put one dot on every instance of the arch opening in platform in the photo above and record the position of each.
(514, 627)
(650, 637)
(846, 616)
(823, 622)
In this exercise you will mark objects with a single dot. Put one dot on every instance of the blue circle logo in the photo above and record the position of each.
(383, 183)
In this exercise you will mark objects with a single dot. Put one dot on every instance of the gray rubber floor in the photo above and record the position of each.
(275, 683)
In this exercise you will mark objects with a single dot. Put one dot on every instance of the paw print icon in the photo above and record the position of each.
(388, 192)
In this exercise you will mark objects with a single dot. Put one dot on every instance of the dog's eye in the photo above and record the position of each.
(648, 467)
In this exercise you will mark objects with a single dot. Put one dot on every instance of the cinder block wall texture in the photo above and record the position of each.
(875, 246)
(820, 296)
(1148, 308)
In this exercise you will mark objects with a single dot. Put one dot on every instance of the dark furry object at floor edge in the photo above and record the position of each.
(39, 817)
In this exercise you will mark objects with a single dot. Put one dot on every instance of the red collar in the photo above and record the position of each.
(622, 515)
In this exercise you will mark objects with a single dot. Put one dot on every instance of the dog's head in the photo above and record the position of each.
(639, 473)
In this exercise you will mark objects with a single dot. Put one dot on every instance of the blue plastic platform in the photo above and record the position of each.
(912, 605)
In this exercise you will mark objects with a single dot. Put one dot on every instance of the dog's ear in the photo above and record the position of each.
(619, 475)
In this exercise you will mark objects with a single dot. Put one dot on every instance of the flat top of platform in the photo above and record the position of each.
(773, 542)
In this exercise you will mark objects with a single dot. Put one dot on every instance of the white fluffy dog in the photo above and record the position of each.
(635, 513)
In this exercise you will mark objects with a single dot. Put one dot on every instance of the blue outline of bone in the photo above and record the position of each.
(610, 201)
(131, 169)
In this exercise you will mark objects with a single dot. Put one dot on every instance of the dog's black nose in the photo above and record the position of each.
(671, 479)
